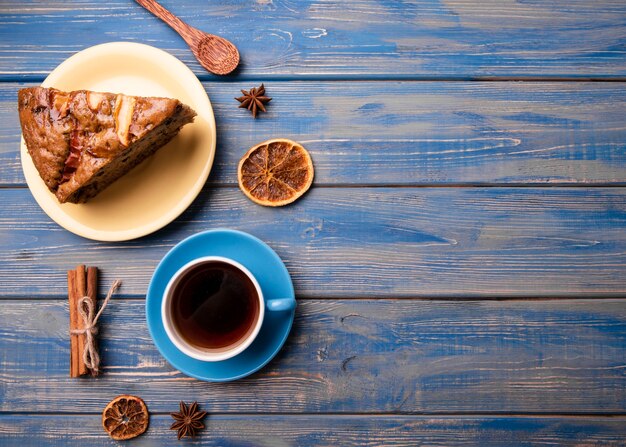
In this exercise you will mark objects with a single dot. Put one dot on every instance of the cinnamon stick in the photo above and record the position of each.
(75, 359)
(80, 282)
(92, 293)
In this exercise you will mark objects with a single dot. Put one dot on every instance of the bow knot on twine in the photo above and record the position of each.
(86, 309)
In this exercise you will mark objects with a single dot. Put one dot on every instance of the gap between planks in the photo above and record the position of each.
(461, 299)
(416, 415)
(542, 185)
(39, 77)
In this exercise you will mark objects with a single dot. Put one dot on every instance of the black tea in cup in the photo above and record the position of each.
(214, 306)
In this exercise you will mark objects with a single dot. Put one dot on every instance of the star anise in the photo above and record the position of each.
(254, 99)
(188, 420)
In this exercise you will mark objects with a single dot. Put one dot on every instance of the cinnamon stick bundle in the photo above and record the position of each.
(80, 282)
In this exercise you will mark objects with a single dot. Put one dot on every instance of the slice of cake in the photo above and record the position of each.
(83, 141)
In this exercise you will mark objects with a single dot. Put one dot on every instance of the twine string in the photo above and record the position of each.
(86, 308)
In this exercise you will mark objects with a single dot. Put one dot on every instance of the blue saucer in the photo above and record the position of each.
(273, 278)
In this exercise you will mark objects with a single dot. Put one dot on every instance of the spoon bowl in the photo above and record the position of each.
(216, 54)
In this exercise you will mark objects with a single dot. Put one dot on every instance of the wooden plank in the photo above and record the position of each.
(246, 430)
(362, 39)
(350, 356)
(412, 133)
(357, 242)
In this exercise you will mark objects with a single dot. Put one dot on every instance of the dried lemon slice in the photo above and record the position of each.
(275, 172)
(125, 417)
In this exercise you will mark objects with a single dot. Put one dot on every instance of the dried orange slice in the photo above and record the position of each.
(275, 172)
(125, 417)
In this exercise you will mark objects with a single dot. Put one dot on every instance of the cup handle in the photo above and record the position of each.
(279, 304)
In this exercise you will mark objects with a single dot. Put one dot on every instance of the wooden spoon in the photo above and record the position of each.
(214, 53)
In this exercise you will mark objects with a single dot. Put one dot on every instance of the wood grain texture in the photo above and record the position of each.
(350, 356)
(305, 431)
(359, 242)
(362, 39)
(358, 370)
(408, 133)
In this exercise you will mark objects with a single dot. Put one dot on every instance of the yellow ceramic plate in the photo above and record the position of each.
(162, 187)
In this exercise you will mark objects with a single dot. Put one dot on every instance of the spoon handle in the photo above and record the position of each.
(187, 32)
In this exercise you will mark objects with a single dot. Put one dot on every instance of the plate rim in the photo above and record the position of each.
(151, 292)
(53, 209)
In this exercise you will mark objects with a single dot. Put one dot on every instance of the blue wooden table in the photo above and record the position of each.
(459, 264)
